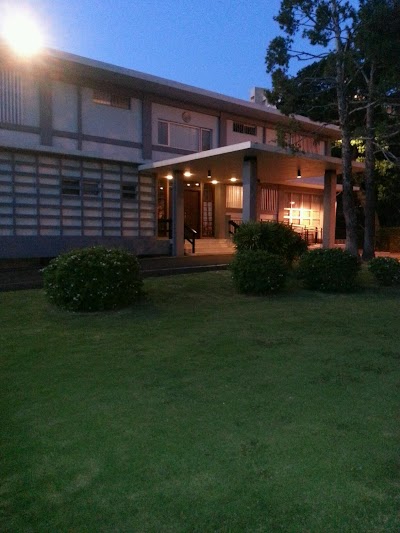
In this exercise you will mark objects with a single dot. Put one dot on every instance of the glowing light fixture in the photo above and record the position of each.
(233, 180)
(20, 30)
(209, 174)
(299, 173)
(187, 173)
(170, 177)
(214, 182)
(197, 184)
(187, 184)
(161, 188)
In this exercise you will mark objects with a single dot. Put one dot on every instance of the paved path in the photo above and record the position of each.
(30, 277)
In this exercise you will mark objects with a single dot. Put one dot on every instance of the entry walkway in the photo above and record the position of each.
(29, 277)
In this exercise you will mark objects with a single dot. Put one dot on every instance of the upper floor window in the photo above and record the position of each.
(76, 187)
(113, 100)
(10, 97)
(184, 137)
(247, 129)
(129, 191)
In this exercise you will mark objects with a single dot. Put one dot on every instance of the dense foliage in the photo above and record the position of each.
(93, 279)
(386, 270)
(330, 270)
(258, 272)
(273, 237)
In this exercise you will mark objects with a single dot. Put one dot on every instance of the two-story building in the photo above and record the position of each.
(91, 153)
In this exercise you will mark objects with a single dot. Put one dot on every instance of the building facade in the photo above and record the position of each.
(91, 153)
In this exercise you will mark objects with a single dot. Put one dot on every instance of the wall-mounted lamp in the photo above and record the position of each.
(299, 173)
(209, 174)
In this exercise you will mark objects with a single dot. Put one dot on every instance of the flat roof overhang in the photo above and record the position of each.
(274, 165)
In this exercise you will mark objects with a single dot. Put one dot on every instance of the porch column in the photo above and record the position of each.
(178, 215)
(249, 178)
(220, 210)
(328, 239)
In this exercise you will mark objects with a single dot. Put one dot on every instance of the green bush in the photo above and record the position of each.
(93, 279)
(258, 272)
(386, 270)
(274, 237)
(331, 270)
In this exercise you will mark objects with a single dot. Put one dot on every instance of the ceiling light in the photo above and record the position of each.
(161, 188)
(233, 180)
(214, 182)
(299, 173)
(209, 174)
(187, 173)
(187, 184)
(197, 184)
(170, 177)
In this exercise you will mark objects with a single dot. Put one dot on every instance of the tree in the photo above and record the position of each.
(327, 25)
(351, 82)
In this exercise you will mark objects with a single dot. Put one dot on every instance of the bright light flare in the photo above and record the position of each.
(20, 30)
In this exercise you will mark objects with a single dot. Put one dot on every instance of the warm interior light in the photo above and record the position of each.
(161, 188)
(187, 184)
(233, 180)
(214, 182)
(20, 30)
(298, 173)
(170, 177)
(187, 173)
(197, 184)
(209, 174)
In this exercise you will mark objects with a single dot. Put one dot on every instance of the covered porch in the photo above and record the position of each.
(209, 191)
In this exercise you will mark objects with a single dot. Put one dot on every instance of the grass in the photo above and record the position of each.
(201, 410)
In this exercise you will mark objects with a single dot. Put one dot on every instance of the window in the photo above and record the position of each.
(129, 191)
(70, 186)
(184, 137)
(234, 196)
(113, 100)
(10, 97)
(247, 129)
(90, 187)
(303, 209)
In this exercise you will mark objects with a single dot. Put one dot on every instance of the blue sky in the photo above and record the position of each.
(213, 44)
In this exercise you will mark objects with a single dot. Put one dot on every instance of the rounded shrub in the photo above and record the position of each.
(330, 270)
(274, 237)
(93, 279)
(258, 272)
(386, 270)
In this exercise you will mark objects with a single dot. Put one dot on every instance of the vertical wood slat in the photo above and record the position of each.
(11, 97)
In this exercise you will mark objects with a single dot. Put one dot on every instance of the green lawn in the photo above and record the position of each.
(201, 411)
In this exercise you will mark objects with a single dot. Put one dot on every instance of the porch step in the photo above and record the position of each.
(211, 247)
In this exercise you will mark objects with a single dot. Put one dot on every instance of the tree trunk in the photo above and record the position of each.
(370, 193)
(349, 210)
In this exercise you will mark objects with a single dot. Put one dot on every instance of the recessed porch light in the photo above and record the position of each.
(187, 173)
(170, 177)
(214, 182)
(197, 184)
(233, 179)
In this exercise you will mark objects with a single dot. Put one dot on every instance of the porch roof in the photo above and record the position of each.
(274, 165)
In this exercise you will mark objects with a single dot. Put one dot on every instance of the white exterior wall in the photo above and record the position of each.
(19, 139)
(232, 137)
(111, 122)
(111, 151)
(30, 102)
(65, 107)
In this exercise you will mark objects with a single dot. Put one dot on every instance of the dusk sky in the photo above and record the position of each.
(213, 44)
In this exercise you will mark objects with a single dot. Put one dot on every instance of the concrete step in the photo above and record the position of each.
(211, 246)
